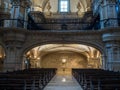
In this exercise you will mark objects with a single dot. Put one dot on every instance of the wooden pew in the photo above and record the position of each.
(32, 79)
(95, 79)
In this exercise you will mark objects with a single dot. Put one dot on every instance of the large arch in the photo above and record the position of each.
(31, 45)
(38, 43)
(30, 39)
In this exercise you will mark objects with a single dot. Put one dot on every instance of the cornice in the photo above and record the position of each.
(65, 32)
(110, 30)
(61, 32)
(5, 30)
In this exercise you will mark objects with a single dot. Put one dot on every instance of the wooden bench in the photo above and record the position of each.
(95, 79)
(32, 79)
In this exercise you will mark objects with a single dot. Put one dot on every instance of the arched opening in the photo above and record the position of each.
(2, 57)
(64, 57)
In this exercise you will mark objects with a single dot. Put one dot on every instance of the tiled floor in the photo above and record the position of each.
(61, 82)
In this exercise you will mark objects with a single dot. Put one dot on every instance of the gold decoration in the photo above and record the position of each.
(49, 7)
(79, 6)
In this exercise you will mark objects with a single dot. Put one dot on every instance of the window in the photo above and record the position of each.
(63, 5)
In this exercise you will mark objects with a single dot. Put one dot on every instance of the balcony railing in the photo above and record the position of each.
(56, 25)
(13, 23)
(83, 26)
(63, 20)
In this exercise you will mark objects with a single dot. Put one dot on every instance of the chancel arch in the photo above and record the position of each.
(62, 56)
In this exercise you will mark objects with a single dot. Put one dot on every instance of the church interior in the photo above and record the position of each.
(59, 44)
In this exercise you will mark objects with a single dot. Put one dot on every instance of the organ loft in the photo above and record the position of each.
(59, 34)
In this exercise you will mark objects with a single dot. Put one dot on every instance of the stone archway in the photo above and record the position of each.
(59, 61)
(24, 40)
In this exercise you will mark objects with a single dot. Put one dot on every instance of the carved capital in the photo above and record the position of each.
(14, 38)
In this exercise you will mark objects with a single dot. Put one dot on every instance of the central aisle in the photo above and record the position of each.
(63, 82)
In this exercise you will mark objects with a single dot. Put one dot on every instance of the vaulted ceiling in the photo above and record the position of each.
(41, 4)
(85, 50)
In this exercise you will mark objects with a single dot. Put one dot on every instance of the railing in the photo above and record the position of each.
(73, 25)
(37, 21)
(13, 23)
(63, 20)
(53, 26)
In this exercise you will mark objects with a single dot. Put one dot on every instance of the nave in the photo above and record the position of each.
(48, 79)
(63, 82)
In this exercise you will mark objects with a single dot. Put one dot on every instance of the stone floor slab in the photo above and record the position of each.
(63, 82)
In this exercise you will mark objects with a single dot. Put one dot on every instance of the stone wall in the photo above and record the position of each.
(73, 60)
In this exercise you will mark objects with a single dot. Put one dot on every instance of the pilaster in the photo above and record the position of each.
(13, 43)
(113, 55)
(19, 12)
(106, 9)
(12, 60)
(4, 9)
(112, 48)
(108, 14)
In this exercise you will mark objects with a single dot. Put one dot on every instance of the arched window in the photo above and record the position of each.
(64, 6)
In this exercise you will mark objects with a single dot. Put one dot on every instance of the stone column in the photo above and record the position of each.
(27, 4)
(24, 62)
(103, 57)
(113, 55)
(107, 11)
(2, 6)
(15, 12)
(108, 14)
(19, 11)
(4, 13)
(112, 48)
(13, 41)
(13, 59)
